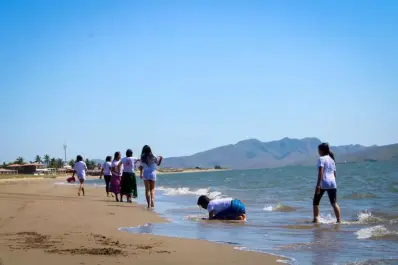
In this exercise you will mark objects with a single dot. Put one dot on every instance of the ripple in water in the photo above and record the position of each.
(279, 208)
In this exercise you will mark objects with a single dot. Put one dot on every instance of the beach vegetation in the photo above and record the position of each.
(20, 160)
(38, 159)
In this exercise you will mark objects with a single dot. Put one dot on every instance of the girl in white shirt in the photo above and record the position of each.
(106, 172)
(128, 184)
(326, 181)
(148, 166)
(80, 169)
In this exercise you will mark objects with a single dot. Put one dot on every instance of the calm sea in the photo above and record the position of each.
(279, 211)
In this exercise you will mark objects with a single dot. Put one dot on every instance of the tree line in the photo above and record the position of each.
(52, 162)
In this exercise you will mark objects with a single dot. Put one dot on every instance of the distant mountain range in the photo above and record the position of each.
(253, 153)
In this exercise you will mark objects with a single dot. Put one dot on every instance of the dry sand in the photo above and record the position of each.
(47, 224)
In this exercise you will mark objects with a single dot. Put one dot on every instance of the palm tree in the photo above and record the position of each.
(71, 162)
(38, 159)
(59, 163)
(53, 162)
(20, 160)
(47, 159)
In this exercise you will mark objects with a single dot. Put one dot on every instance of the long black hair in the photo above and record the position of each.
(146, 155)
(325, 149)
(117, 154)
(79, 158)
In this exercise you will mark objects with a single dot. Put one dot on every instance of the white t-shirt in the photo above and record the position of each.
(80, 168)
(128, 164)
(329, 167)
(107, 168)
(219, 205)
(115, 164)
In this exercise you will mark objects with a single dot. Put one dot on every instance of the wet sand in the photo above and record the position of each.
(42, 223)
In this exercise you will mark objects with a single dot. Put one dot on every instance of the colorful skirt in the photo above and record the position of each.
(236, 209)
(115, 184)
(128, 184)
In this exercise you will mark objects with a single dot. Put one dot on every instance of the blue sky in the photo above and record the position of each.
(186, 76)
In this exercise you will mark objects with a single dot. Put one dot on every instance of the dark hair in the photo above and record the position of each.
(108, 159)
(146, 154)
(325, 149)
(117, 154)
(79, 158)
(203, 201)
(129, 153)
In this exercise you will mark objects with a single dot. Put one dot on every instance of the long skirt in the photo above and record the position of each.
(128, 184)
(115, 184)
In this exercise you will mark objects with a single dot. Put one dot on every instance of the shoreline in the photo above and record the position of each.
(45, 222)
(17, 177)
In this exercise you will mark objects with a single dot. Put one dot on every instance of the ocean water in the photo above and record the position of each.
(279, 212)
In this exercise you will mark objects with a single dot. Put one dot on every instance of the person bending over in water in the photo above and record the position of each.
(223, 209)
(80, 169)
(326, 181)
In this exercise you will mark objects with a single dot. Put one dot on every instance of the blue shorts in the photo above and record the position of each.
(236, 209)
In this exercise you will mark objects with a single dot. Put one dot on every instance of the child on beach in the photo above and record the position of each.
(80, 169)
(106, 172)
(128, 184)
(116, 176)
(223, 209)
(326, 181)
(149, 164)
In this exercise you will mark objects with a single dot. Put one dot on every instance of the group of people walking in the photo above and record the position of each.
(119, 175)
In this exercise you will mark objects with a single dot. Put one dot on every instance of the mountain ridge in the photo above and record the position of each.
(253, 153)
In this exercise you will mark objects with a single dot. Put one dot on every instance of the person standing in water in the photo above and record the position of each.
(128, 184)
(149, 164)
(80, 169)
(326, 181)
(106, 172)
(116, 176)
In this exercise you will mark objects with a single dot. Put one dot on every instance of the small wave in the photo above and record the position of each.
(268, 208)
(196, 217)
(188, 191)
(377, 231)
(279, 208)
(359, 195)
(367, 217)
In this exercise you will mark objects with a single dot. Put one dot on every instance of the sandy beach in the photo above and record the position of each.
(43, 223)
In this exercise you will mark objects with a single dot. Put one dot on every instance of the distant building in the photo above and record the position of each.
(27, 168)
(4, 171)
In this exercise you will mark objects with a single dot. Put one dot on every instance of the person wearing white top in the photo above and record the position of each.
(148, 166)
(80, 169)
(223, 209)
(128, 184)
(116, 171)
(106, 172)
(326, 181)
